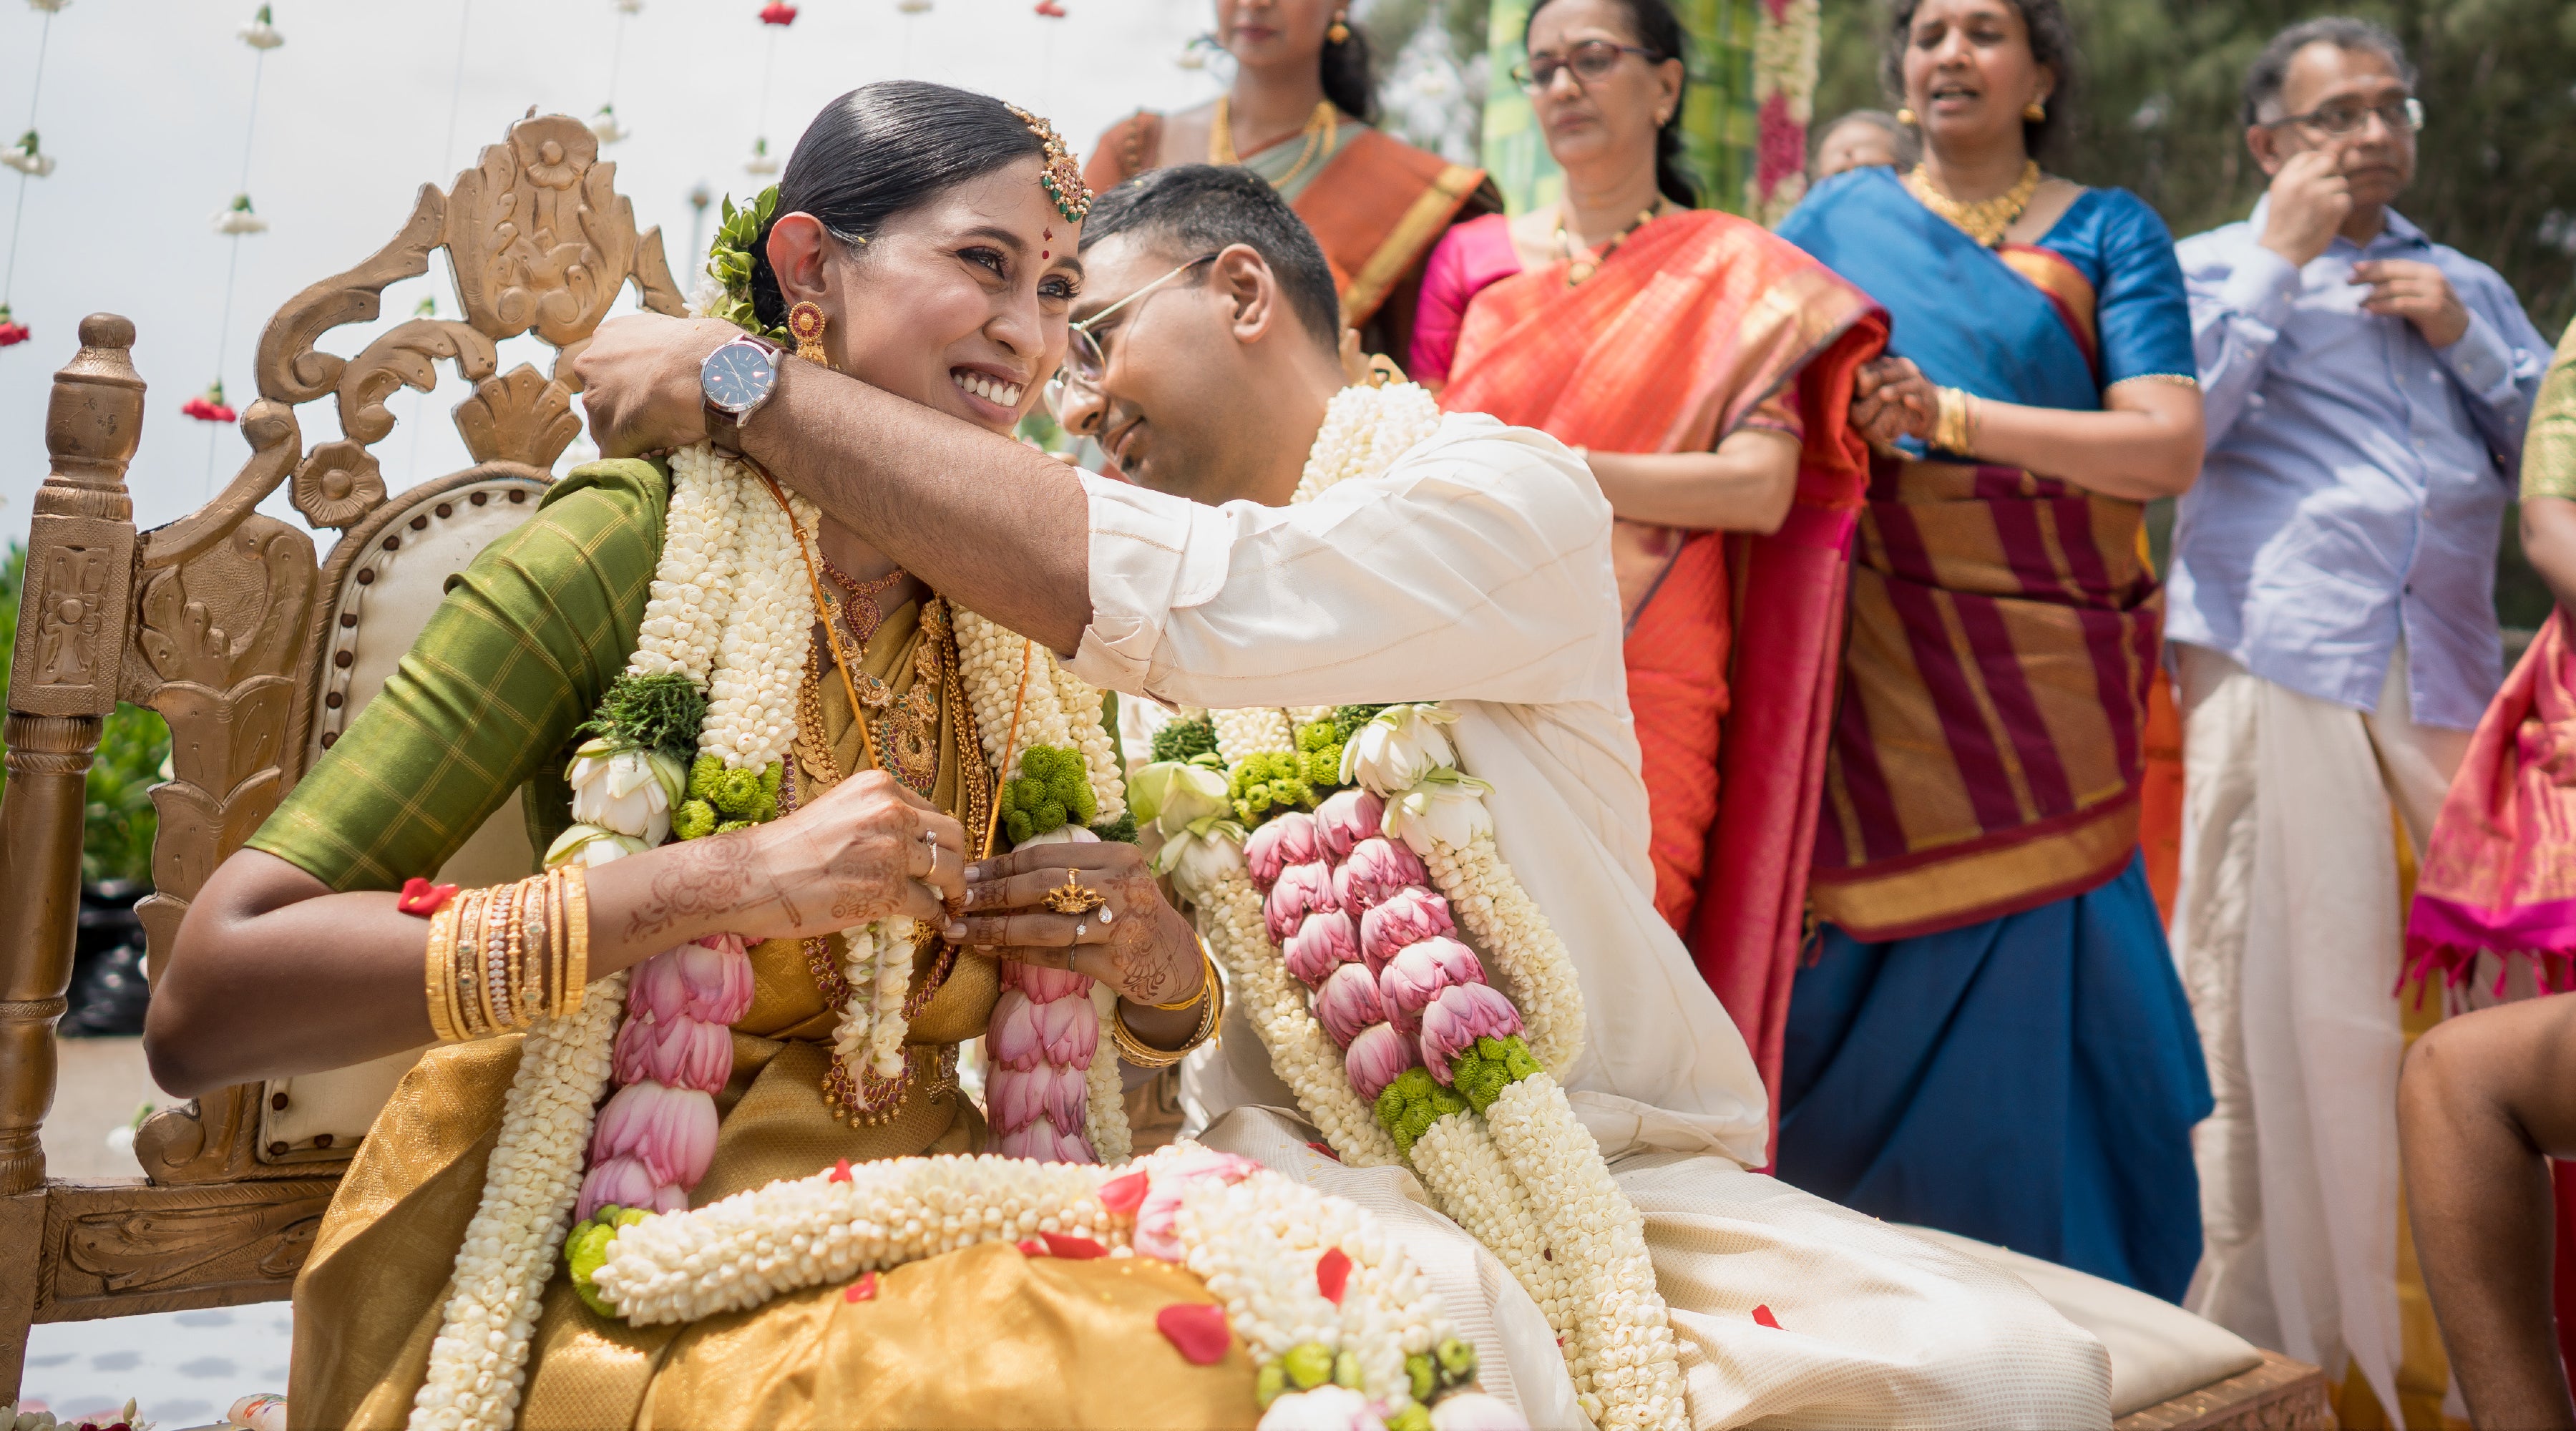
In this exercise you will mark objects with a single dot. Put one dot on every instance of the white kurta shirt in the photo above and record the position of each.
(1475, 572)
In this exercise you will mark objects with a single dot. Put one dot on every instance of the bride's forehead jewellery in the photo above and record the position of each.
(1062, 177)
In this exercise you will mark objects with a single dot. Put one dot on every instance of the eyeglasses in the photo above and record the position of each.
(1086, 357)
(2402, 116)
(1589, 60)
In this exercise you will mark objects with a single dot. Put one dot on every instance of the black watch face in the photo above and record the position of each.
(736, 377)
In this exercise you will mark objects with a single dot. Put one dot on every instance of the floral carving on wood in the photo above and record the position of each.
(337, 483)
(539, 236)
(521, 416)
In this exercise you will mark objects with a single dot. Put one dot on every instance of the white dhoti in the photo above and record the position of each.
(2289, 932)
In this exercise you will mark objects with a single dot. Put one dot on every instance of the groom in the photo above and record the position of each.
(1475, 572)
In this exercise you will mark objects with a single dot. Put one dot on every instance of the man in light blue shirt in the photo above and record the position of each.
(2334, 639)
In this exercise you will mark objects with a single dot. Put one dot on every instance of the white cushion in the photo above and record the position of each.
(2158, 1350)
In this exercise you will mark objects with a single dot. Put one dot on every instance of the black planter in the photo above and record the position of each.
(108, 993)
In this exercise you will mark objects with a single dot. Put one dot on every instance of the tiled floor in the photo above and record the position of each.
(184, 1367)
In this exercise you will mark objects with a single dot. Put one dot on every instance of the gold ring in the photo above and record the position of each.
(1074, 897)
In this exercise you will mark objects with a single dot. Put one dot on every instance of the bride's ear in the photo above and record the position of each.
(796, 254)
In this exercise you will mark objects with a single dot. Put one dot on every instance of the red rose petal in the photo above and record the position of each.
(1124, 1194)
(840, 1171)
(421, 897)
(1326, 1149)
(1031, 1247)
(1197, 1329)
(1333, 1274)
(1073, 1248)
(1762, 1316)
(863, 1290)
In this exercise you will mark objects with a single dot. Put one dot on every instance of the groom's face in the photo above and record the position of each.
(1176, 364)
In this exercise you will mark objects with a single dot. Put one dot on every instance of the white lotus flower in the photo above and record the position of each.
(1326, 1408)
(1060, 835)
(27, 158)
(238, 219)
(605, 128)
(1199, 856)
(591, 846)
(627, 791)
(1171, 795)
(1397, 748)
(1443, 807)
(1475, 1411)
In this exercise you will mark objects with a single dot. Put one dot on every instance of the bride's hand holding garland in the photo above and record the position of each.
(864, 850)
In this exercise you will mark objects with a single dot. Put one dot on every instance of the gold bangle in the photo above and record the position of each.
(437, 963)
(1144, 1055)
(1950, 423)
(516, 955)
(462, 965)
(1207, 982)
(576, 968)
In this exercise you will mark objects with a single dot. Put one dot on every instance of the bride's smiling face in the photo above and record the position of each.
(959, 303)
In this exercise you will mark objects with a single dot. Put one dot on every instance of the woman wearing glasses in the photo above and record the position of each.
(1705, 369)
(1992, 1039)
(1297, 114)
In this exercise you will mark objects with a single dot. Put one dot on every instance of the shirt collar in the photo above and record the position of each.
(2395, 229)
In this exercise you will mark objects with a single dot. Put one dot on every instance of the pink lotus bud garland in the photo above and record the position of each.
(1322, 1298)
(1324, 941)
(1408, 917)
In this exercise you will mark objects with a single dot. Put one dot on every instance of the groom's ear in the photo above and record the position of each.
(797, 255)
(1255, 306)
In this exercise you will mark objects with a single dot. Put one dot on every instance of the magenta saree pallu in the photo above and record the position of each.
(2497, 876)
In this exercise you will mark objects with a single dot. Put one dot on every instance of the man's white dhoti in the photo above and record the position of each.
(1476, 572)
(2290, 936)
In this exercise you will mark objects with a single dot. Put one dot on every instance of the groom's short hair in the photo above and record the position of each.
(1193, 209)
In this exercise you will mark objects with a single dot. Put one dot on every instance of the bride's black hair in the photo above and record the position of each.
(882, 150)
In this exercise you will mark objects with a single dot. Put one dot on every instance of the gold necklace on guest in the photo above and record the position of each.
(1986, 219)
(1322, 128)
(1580, 263)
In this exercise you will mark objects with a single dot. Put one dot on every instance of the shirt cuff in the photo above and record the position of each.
(2481, 360)
(1151, 554)
(2261, 286)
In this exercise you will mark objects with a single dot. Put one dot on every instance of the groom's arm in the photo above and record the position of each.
(998, 527)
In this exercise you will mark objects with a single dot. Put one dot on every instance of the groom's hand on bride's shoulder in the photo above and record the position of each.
(639, 381)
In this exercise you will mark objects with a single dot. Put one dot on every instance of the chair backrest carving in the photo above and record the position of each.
(230, 620)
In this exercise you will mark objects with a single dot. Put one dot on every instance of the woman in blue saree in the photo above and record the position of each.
(1992, 1039)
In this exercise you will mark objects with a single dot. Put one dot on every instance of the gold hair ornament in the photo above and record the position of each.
(1062, 177)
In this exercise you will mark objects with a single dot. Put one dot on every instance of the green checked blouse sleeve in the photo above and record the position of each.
(516, 656)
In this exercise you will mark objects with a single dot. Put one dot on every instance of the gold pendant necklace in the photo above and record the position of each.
(1581, 264)
(1986, 219)
(1322, 128)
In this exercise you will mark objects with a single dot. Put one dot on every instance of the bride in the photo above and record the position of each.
(761, 759)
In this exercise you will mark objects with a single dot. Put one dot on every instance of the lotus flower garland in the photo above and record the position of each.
(1455, 1069)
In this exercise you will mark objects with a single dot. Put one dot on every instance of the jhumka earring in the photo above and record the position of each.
(1339, 32)
(2034, 111)
(1906, 118)
(805, 325)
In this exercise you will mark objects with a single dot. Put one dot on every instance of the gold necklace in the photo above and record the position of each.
(1322, 128)
(1986, 219)
(1581, 264)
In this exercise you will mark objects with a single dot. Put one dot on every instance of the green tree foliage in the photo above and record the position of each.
(2159, 114)
(116, 838)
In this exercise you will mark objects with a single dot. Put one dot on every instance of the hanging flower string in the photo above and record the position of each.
(28, 157)
(209, 406)
(235, 221)
(603, 125)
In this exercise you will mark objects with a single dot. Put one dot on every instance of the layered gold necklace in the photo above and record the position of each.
(1323, 127)
(1986, 219)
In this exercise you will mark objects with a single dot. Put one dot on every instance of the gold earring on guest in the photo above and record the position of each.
(2034, 111)
(1906, 118)
(1339, 32)
(805, 324)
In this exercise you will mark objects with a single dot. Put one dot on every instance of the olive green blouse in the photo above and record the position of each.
(515, 658)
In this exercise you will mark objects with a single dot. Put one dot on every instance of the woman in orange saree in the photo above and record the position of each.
(1297, 115)
(1693, 333)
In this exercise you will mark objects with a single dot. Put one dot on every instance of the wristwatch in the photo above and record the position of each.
(735, 380)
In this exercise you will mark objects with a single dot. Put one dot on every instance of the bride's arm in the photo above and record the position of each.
(275, 974)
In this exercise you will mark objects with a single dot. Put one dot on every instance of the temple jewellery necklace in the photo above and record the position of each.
(1986, 219)
(907, 728)
(1322, 128)
(1581, 263)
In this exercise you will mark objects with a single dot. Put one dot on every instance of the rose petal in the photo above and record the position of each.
(1124, 1193)
(1333, 1274)
(1197, 1330)
(1072, 1248)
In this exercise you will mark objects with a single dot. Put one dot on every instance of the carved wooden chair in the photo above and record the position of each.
(258, 652)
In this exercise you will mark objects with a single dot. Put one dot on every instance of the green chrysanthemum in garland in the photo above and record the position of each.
(1267, 784)
(720, 799)
(1052, 790)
